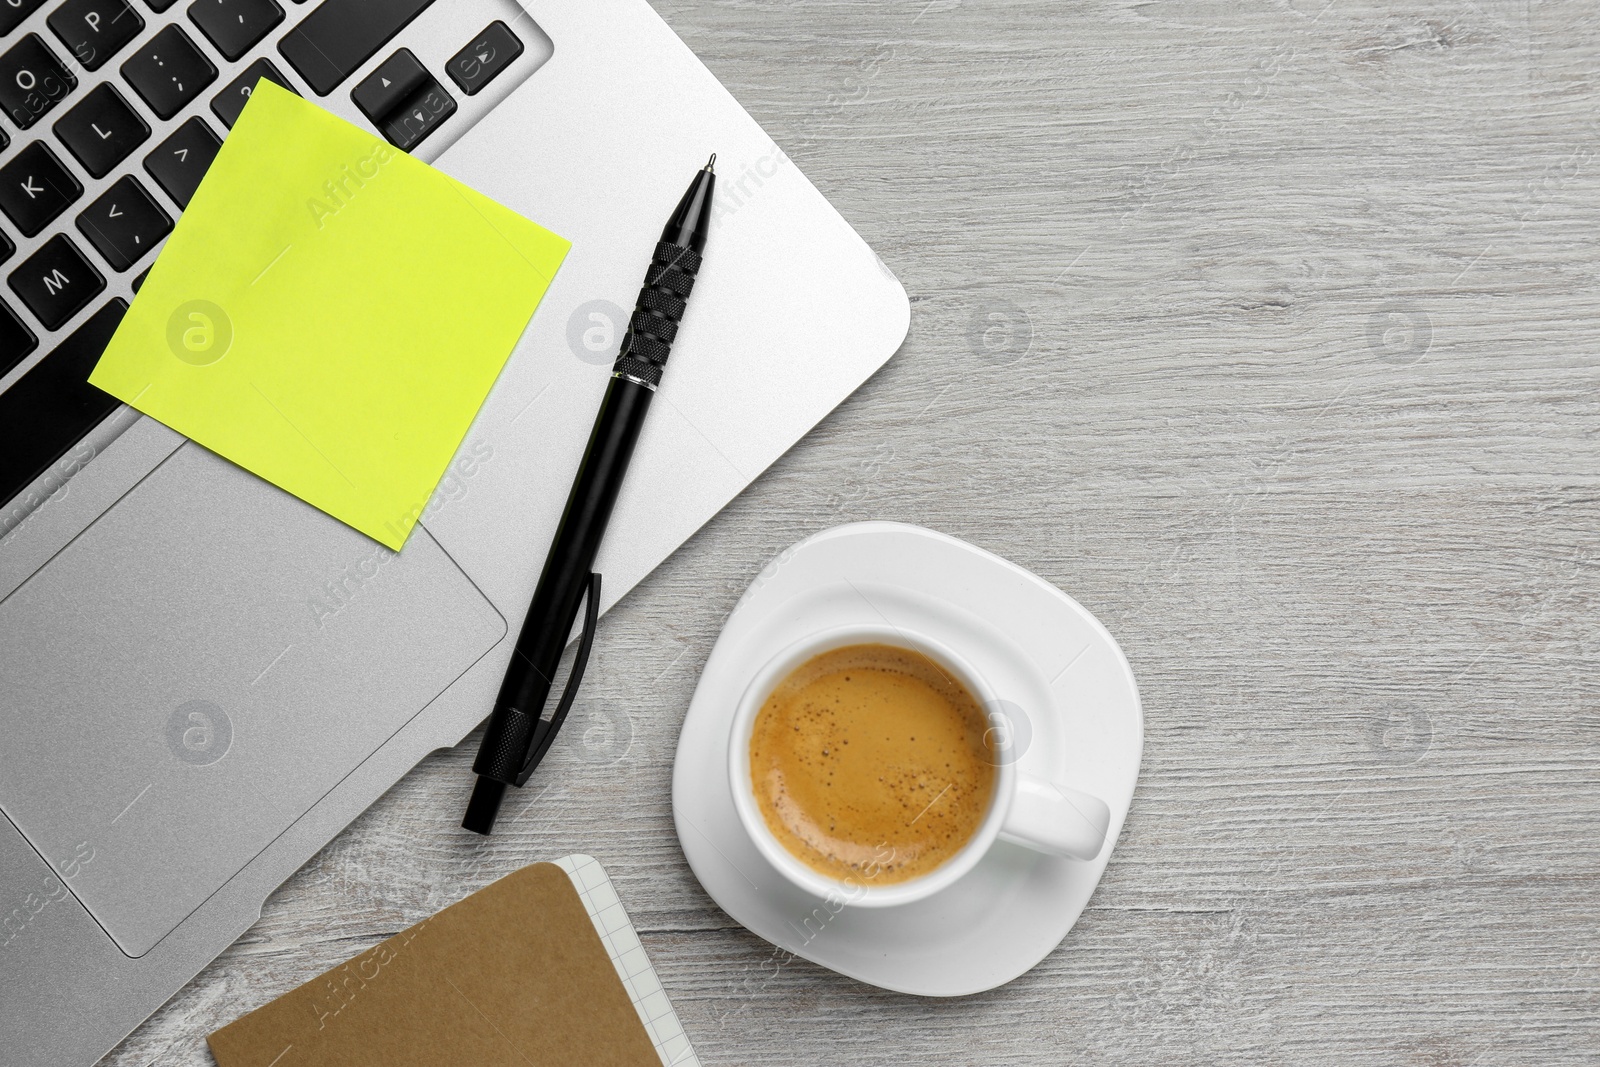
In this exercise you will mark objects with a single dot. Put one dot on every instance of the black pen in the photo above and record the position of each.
(518, 736)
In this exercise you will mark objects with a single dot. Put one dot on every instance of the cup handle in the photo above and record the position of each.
(1049, 817)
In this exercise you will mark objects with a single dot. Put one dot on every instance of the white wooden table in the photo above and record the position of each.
(1271, 332)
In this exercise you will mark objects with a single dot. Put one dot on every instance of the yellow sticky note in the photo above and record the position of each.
(330, 313)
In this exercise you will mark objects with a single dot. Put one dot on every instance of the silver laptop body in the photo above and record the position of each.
(203, 679)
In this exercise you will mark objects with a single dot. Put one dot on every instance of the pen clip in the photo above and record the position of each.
(544, 732)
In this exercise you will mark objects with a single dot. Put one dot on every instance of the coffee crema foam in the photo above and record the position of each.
(871, 764)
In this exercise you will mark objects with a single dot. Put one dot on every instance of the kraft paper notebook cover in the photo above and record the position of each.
(539, 967)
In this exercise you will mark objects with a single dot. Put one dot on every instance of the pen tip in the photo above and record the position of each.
(711, 161)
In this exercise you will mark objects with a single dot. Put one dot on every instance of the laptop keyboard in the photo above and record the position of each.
(54, 401)
(341, 35)
(117, 107)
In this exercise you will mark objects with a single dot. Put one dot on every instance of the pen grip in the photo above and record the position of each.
(658, 313)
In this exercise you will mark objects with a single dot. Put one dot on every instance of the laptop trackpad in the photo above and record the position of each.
(197, 668)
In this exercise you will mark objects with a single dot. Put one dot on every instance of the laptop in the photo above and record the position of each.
(203, 679)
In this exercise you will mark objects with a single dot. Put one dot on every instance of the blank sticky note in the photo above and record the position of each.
(330, 313)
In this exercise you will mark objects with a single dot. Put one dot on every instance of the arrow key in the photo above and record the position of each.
(124, 223)
(182, 159)
(489, 53)
(420, 115)
(385, 89)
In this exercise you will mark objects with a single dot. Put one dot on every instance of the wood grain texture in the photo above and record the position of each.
(1269, 331)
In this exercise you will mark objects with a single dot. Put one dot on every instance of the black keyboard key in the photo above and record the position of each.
(235, 26)
(101, 130)
(477, 64)
(419, 116)
(35, 188)
(159, 6)
(13, 12)
(340, 35)
(52, 406)
(232, 100)
(56, 282)
(124, 223)
(94, 30)
(32, 80)
(169, 71)
(6, 248)
(385, 89)
(403, 100)
(16, 340)
(182, 160)
(138, 283)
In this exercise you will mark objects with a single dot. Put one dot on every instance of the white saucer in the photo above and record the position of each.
(1041, 651)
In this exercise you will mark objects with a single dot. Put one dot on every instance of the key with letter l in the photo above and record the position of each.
(101, 130)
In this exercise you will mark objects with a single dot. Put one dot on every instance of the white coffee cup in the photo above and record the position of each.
(1038, 813)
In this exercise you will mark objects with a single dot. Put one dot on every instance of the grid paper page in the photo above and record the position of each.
(627, 955)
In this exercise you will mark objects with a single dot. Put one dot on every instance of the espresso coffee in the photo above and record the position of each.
(872, 764)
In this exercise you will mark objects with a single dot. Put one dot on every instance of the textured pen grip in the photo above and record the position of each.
(506, 749)
(654, 324)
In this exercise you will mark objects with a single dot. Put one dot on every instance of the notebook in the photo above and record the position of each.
(541, 966)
